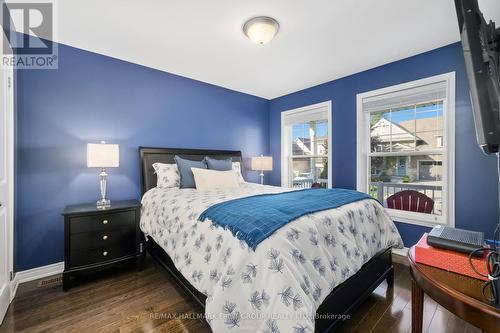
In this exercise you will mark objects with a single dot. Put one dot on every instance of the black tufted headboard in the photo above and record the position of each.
(166, 155)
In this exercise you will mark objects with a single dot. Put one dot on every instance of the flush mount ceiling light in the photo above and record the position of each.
(261, 29)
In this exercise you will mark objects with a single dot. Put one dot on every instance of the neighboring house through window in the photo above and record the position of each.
(305, 146)
(406, 143)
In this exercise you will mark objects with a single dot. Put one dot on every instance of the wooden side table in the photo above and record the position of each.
(97, 239)
(458, 294)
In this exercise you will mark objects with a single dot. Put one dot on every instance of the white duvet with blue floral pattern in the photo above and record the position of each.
(279, 286)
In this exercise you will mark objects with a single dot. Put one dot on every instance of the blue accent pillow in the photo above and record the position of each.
(184, 166)
(219, 165)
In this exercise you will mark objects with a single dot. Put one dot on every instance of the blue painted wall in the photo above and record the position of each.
(476, 180)
(93, 97)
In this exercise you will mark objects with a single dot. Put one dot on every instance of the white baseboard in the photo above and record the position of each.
(400, 252)
(400, 256)
(34, 274)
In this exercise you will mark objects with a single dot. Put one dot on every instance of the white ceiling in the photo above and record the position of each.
(318, 41)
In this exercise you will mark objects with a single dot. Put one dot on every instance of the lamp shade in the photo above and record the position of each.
(103, 155)
(262, 163)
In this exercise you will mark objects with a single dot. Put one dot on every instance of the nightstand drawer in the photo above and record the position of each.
(94, 256)
(102, 222)
(97, 239)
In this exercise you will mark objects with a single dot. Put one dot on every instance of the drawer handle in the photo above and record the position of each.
(105, 237)
(105, 253)
(105, 222)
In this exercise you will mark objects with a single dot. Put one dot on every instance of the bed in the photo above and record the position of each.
(289, 283)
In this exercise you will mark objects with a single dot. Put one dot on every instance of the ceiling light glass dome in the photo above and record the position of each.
(261, 29)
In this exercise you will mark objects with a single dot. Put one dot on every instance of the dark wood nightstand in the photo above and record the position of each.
(95, 239)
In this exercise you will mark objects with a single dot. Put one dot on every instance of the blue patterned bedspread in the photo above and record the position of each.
(253, 219)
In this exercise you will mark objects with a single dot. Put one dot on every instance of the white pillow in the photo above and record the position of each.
(167, 175)
(206, 179)
(237, 169)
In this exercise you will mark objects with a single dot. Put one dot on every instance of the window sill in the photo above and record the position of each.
(425, 220)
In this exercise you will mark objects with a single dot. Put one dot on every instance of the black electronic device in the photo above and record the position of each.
(456, 239)
(481, 48)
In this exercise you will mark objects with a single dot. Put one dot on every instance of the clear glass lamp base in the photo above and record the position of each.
(103, 204)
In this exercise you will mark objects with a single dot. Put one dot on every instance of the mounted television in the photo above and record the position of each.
(480, 43)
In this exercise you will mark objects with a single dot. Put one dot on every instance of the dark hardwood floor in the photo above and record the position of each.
(131, 301)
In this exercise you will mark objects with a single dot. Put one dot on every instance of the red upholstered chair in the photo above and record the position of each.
(316, 185)
(412, 201)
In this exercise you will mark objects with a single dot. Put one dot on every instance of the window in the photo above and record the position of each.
(439, 141)
(305, 146)
(405, 145)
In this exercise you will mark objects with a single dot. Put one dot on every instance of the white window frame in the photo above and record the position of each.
(448, 151)
(286, 139)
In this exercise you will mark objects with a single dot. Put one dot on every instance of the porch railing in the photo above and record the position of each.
(307, 183)
(381, 191)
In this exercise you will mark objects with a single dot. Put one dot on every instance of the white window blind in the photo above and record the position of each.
(319, 113)
(404, 97)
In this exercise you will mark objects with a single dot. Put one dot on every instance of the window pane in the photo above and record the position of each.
(299, 132)
(380, 131)
(429, 126)
(310, 138)
(410, 128)
(396, 175)
(306, 171)
(403, 129)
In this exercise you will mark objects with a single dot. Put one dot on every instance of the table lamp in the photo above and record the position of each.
(262, 163)
(103, 155)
